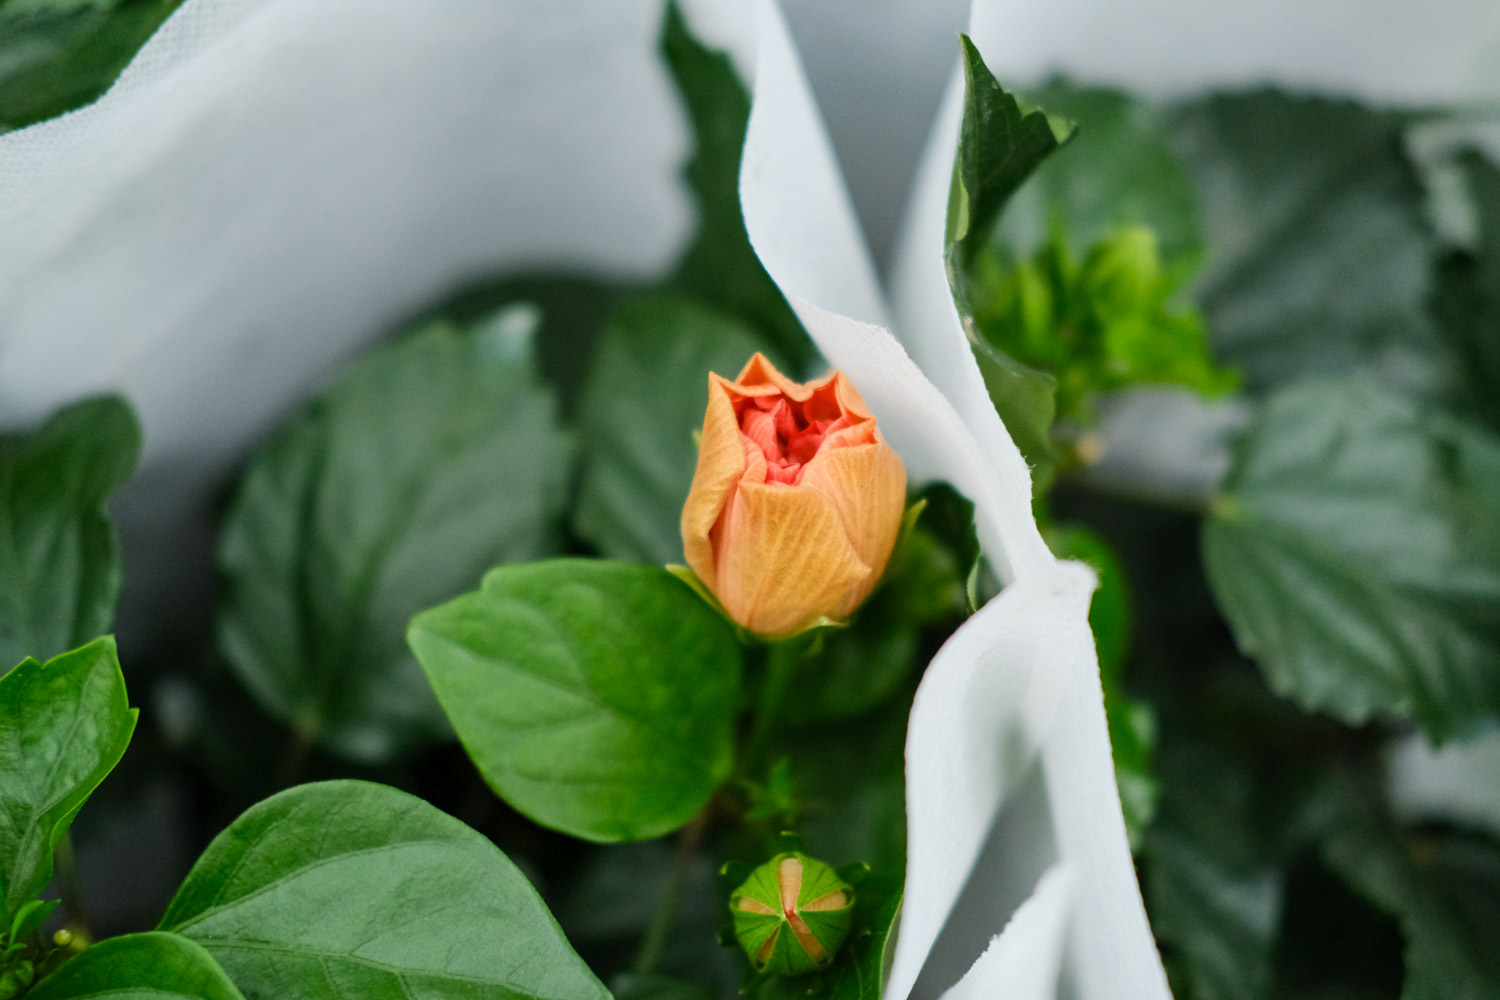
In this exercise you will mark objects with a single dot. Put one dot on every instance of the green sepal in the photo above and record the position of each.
(770, 936)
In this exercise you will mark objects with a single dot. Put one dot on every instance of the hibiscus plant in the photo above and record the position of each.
(475, 523)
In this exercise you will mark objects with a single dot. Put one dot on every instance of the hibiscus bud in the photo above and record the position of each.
(796, 502)
(792, 914)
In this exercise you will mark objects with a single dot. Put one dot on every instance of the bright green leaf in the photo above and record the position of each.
(644, 400)
(64, 725)
(1356, 554)
(346, 890)
(1318, 257)
(597, 698)
(152, 966)
(422, 466)
(29, 919)
(59, 554)
(719, 267)
(57, 55)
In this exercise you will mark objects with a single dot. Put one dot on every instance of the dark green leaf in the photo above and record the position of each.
(1218, 921)
(1443, 888)
(597, 698)
(346, 889)
(57, 56)
(152, 966)
(1121, 172)
(1213, 875)
(643, 402)
(850, 780)
(422, 466)
(614, 899)
(1356, 553)
(1318, 256)
(60, 557)
(1026, 399)
(63, 726)
(719, 266)
(999, 147)
(1468, 296)
(860, 972)
(637, 986)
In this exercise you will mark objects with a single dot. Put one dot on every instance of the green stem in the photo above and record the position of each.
(781, 662)
(65, 867)
(299, 744)
(655, 939)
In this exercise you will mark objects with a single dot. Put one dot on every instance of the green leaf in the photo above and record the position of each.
(612, 903)
(57, 55)
(643, 402)
(1444, 888)
(1318, 255)
(719, 266)
(597, 698)
(59, 554)
(423, 465)
(654, 986)
(64, 725)
(1356, 554)
(29, 919)
(1026, 399)
(860, 973)
(1212, 866)
(1218, 921)
(1468, 296)
(1122, 173)
(345, 889)
(999, 147)
(151, 966)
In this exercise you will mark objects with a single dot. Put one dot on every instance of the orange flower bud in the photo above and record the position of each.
(796, 501)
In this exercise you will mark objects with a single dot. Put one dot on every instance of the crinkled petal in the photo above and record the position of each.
(785, 560)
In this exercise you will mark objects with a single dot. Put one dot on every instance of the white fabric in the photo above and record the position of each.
(271, 182)
(1391, 50)
(1456, 783)
(1020, 678)
(1022, 962)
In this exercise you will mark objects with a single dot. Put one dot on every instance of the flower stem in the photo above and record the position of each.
(65, 867)
(655, 939)
(781, 662)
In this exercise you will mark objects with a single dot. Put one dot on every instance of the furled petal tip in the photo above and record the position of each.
(796, 501)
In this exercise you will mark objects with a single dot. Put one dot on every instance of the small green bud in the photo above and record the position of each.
(792, 914)
(1123, 275)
